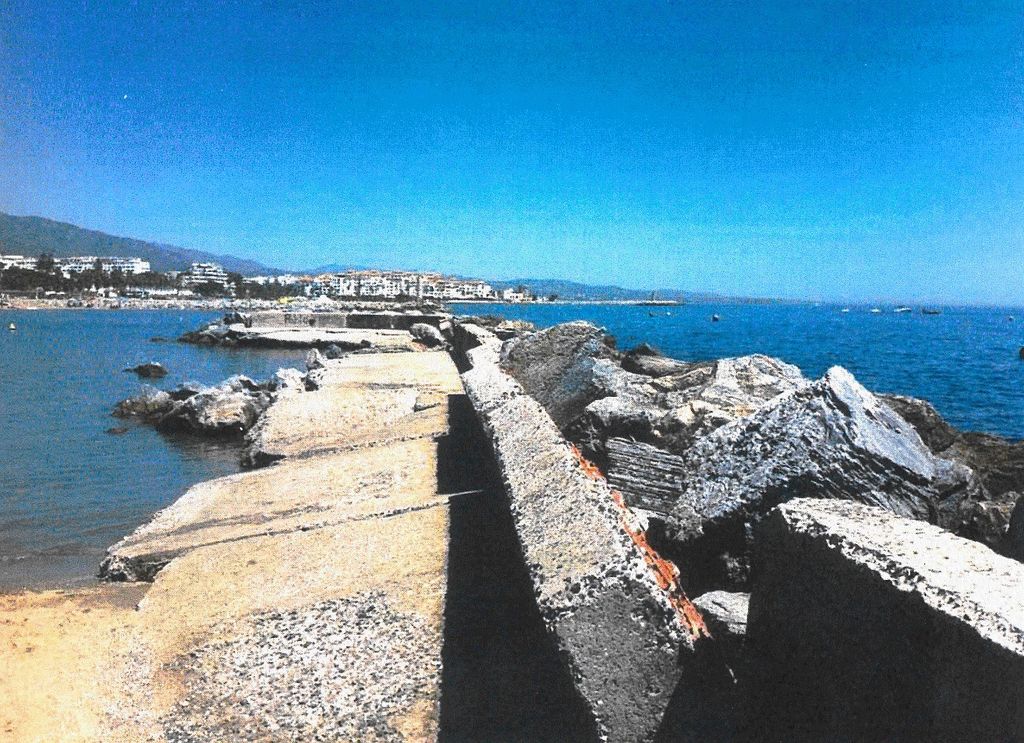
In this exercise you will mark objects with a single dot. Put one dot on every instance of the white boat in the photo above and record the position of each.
(845, 310)
(875, 311)
(12, 326)
(901, 310)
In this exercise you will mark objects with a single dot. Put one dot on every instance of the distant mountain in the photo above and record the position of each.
(31, 236)
(575, 290)
(336, 268)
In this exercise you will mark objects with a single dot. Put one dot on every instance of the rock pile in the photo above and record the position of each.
(708, 448)
(228, 409)
(811, 495)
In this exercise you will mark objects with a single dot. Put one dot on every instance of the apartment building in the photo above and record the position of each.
(204, 273)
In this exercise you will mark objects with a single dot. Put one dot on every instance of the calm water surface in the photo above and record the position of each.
(965, 361)
(68, 489)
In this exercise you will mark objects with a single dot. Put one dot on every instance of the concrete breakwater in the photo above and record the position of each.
(504, 554)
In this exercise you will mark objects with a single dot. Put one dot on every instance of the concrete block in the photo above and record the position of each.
(867, 626)
(633, 642)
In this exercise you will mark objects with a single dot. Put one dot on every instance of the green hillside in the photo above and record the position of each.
(34, 235)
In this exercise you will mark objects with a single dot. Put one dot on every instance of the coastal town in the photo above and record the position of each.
(133, 277)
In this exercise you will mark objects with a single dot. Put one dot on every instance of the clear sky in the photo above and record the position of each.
(803, 149)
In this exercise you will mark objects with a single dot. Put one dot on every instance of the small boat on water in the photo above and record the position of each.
(927, 311)
(875, 311)
(715, 318)
(845, 310)
(12, 326)
(902, 310)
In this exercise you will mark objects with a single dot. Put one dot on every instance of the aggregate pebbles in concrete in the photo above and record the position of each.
(335, 670)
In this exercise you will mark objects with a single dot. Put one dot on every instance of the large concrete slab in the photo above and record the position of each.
(868, 626)
(363, 399)
(631, 638)
(290, 496)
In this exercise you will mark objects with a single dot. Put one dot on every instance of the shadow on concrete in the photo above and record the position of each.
(502, 679)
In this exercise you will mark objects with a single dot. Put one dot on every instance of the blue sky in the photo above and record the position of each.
(824, 150)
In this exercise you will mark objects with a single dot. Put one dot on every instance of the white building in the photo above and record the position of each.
(107, 264)
(18, 261)
(511, 295)
(204, 273)
(394, 284)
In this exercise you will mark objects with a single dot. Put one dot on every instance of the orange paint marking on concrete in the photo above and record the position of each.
(665, 571)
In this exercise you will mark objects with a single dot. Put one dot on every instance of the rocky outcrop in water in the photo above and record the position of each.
(228, 409)
(149, 370)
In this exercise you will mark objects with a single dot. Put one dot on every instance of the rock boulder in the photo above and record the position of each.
(149, 370)
(428, 335)
(827, 439)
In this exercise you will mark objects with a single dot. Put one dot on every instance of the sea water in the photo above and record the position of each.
(69, 489)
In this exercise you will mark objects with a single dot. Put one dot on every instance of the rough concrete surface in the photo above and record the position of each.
(630, 643)
(303, 601)
(867, 626)
(365, 397)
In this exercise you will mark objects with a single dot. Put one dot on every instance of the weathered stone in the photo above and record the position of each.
(724, 613)
(149, 404)
(828, 439)
(428, 335)
(149, 370)
(556, 366)
(985, 521)
(315, 360)
(652, 364)
(867, 626)
(1015, 532)
(647, 476)
(287, 379)
(998, 463)
(333, 351)
(218, 411)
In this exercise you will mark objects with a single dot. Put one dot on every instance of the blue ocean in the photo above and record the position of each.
(68, 489)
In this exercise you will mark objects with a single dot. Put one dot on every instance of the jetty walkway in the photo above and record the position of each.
(300, 601)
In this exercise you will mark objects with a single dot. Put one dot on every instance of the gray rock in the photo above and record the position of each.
(725, 613)
(315, 360)
(985, 521)
(828, 439)
(648, 477)
(645, 360)
(508, 329)
(149, 370)
(998, 463)
(428, 335)
(218, 411)
(556, 367)
(333, 351)
(1015, 533)
(670, 412)
(150, 404)
(287, 379)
